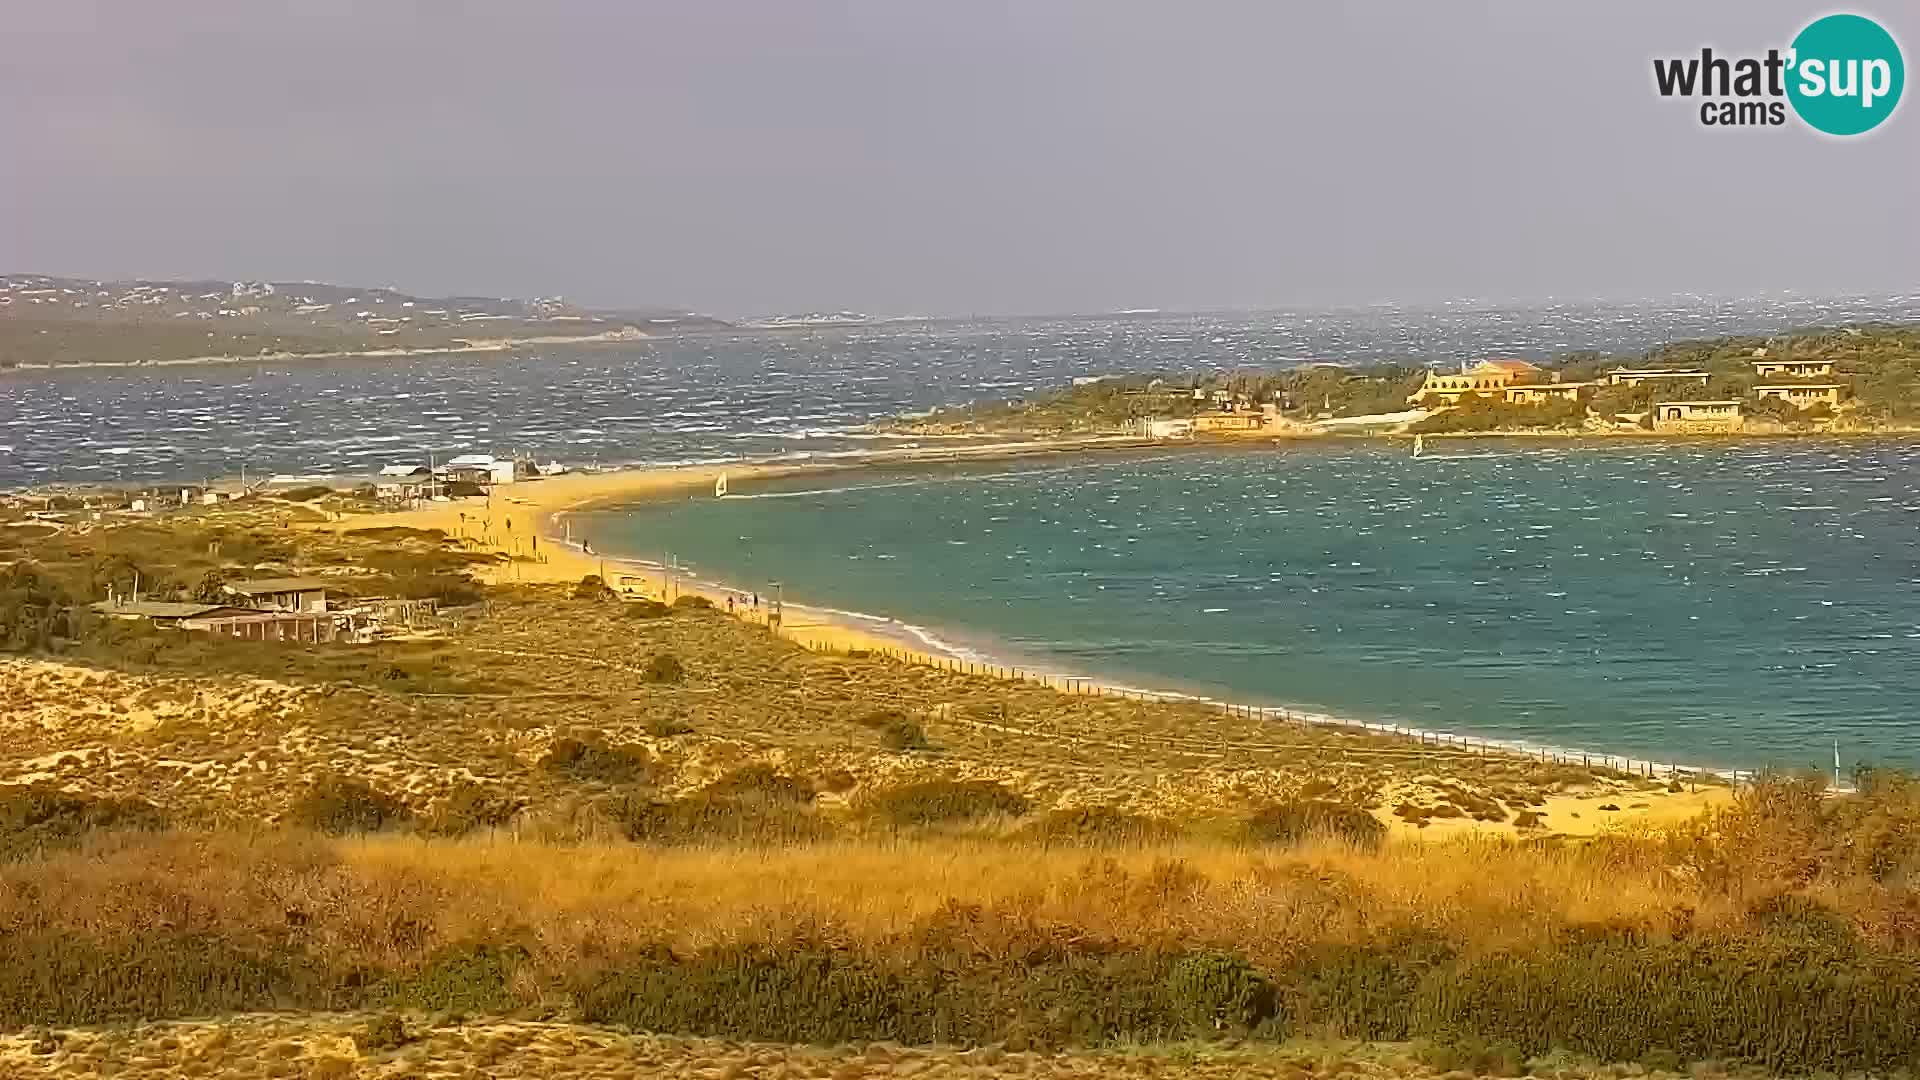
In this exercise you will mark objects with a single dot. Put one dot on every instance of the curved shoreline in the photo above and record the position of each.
(539, 509)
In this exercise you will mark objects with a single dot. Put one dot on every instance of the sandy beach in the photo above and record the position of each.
(526, 522)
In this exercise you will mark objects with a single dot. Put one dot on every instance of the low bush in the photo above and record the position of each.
(666, 727)
(473, 978)
(664, 668)
(1101, 826)
(380, 1033)
(931, 802)
(763, 781)
(1218, 992)
(472, 806)
(904, 735)
(703, 818)
(692, 602)
(593, 759)
(1293, 822)
(338, 805)
(592, 588)
(35, 818)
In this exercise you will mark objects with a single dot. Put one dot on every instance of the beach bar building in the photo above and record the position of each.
(307, 594)
(170, 614)
(1697, 417)
(312, 626)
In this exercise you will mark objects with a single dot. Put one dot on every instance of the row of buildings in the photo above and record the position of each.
(406, 482)
(1796, 382)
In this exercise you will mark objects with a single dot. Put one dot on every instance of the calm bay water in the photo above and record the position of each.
(1728, 604)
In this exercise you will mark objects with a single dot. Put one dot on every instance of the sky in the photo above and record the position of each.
(907, 157)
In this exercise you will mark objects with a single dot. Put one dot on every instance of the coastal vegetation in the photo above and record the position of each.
(564, 826)
(1877, 364)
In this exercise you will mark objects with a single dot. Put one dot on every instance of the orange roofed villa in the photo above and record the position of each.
(1488, 378)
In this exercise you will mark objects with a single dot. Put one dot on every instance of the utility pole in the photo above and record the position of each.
(779, 594)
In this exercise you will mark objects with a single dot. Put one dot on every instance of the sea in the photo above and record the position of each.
(1733, 604)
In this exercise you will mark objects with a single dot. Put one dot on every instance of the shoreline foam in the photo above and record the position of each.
(539, 508)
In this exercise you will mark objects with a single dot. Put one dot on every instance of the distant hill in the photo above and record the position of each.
(59, 322)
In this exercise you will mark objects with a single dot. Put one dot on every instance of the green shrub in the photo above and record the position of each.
(1101, 825)
(592, 588)
(1214, 992)
(1294, 822)
(464, 979)
(40, 817)
(931, 802)
(692, 602)
(1792, 1007)
(384, 1032)
(337, 805)
(921, 990)
(308, 493)
(593, 759)
(664, 668)
(472, 806)
(903, 735)
(667, 727)
(706, 818)
(645, 609)
(60, 978)
(764, 781)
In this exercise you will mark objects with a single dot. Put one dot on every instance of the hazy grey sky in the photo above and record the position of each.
(965, 156)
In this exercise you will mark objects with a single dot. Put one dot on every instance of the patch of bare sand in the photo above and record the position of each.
(324, 1047)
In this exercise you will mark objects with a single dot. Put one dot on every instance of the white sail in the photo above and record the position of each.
(1419, 444)
(720, 486)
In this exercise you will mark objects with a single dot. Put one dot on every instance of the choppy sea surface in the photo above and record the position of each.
(1730, 605)
(746, 394)
(1737, 604)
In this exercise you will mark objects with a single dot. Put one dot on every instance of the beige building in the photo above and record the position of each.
(1488, 378)
(1802, 395)
(1233, 421)
(1166, 429)
(1697, 417)
(1542, 393)
(1793, 369)
(1636, 376)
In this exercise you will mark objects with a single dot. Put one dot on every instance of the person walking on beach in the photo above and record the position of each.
(729, 603)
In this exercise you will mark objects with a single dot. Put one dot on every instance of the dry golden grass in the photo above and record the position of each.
(573, 903)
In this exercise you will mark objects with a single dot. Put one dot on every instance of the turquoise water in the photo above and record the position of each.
(1727, 604)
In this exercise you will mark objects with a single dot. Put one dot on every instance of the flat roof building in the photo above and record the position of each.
(282, 594)
(1698, 417)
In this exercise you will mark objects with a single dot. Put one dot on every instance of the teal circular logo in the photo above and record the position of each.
(1846, 74)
